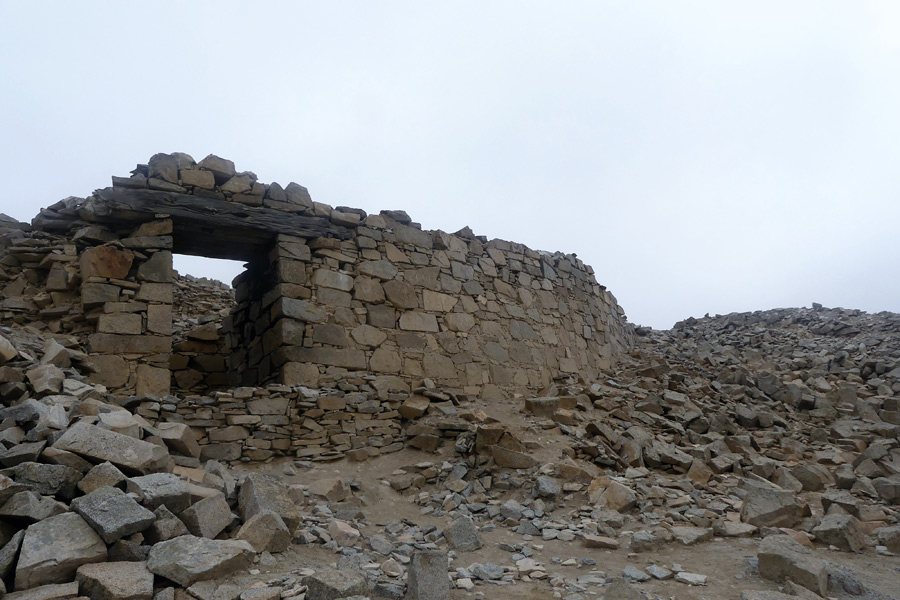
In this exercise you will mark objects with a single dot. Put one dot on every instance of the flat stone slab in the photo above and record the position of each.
(334, 584)
(101, 445)
(160, 489)
(112, 513)
(53, 591)
(54, 548)
(189, 559)
(115, 581)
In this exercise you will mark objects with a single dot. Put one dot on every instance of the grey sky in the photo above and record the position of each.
(701, 156)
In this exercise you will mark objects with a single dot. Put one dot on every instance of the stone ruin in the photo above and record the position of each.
(325, 290)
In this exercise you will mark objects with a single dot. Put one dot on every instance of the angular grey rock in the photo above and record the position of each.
(208, 517)
(115, 581)
(691, 535)
(487, 571)
(766, 506)
(889, 537)
(160, 489)
(179, 438)
(32, 507)
(46, 379)
(427, 579)
(463, 536)
(54, 548)
(782, 558)
(189, 559)
(20, 453)
(332, 584)
(98, 445)
(52, 591)
(48, 480)
(102, 475)
(266, 532)
(620, 589)
(267, 492)
(634, 574)
(112, 513)
(842, 531)
(547, 487)
(658, 572)
(166, 526)
(9, 552)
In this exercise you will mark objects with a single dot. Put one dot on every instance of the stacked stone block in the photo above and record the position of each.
(126, 291)
(346, 417)
(372, 293)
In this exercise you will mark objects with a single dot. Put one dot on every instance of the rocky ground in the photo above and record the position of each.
(751, 455)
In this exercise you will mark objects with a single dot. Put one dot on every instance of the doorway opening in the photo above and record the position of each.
(203, 340)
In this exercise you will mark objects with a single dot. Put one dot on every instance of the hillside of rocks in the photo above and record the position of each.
(752, 455)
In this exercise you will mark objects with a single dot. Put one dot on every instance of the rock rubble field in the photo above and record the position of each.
(753, 456)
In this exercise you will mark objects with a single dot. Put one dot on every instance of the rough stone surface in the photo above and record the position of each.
(53, 549)
(112, 513)
(115, 581)
(188, 559)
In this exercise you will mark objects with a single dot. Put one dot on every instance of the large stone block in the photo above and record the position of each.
(110, 343)
(302, 310)
(334, 584)
(115, 581)
(124, 323)
(333, 279)
(208, 517)
(157, 269)
(349, 358)
(100, 445)
(160, 489)
(428, 576)
(189, 559)
(93, 294)
(266, 532)
(112, 513)
(781, 558)
(382, 269)
(53, 549)
(221, 168)
(418, 321)
(152, 381)
(369, 290)
(401, 294)
(105, 261)
(266, 492)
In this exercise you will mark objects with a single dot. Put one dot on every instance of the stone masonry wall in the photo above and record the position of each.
(341, 292)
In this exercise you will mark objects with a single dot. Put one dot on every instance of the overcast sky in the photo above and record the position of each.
(701, 156)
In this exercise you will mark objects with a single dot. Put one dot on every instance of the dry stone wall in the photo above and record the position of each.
(327, 291)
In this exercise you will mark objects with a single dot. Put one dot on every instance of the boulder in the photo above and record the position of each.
(54, 548)
(770, 506)
(160, 489)
(188, 559)
(266, 532)
(103, 475)
(112, 513)
(52, 591)
(31, 507)
(267, 492)
(842, 531)
(463, 536)
(101, 445)
(115, 581)
(49, 480)
(334, 584)
(166, 526)
(781, 558)
(332, 489)
(208, 517)
(427, 579)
